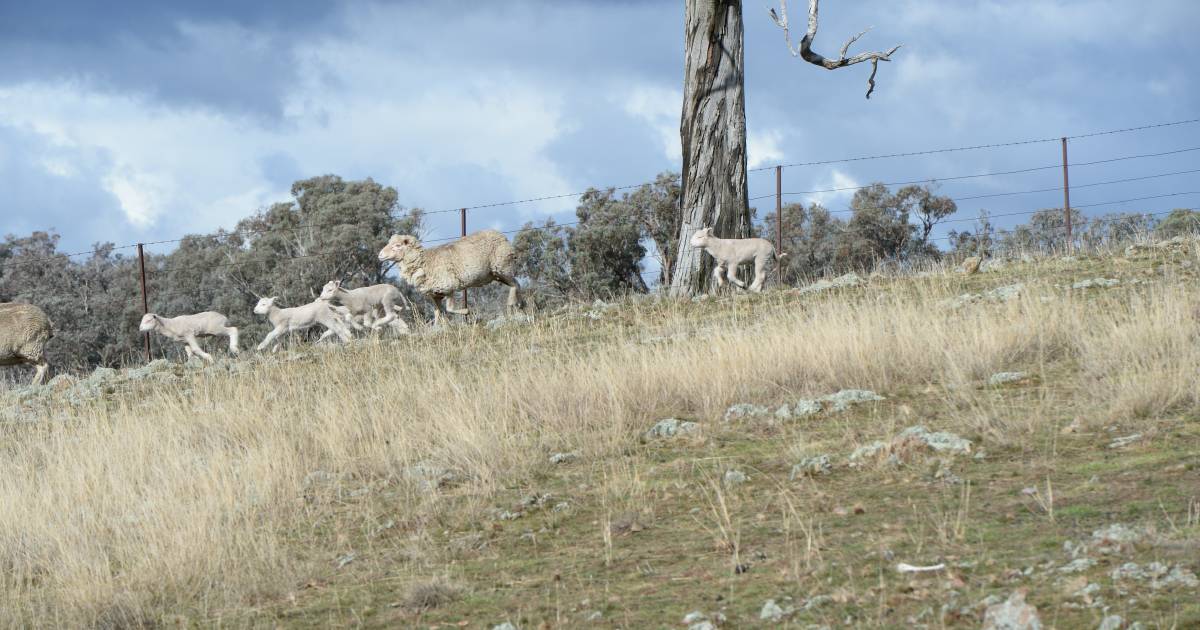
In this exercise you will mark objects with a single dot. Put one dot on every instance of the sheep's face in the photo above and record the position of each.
(264, 305)
(397, 246)
(330, 289)
(700, 238)
(149, 322)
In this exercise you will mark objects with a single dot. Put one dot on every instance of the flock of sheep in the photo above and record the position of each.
(473, 261)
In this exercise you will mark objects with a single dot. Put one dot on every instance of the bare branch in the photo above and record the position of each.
(805, 51)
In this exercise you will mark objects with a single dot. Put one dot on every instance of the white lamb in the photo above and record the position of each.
(731, 252)
(288, 320)
(187, 328)
(367, 302)
(472, 261)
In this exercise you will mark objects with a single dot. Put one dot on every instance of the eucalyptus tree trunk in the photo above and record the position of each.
(713, 134)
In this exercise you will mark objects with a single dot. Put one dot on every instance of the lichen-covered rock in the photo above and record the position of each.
(1002, 378)
(848, 280)
(1102, 283)
(740, 411)
(812, 467)
(868, 451)
(1013, 614)
(670, 427)
(939, 441)
(847, 398)
(735, 478)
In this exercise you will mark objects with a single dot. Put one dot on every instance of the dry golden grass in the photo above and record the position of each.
(194, 500)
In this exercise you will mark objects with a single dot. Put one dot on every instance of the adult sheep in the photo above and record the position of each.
(187, 328)
(24, 331)
(472, 261)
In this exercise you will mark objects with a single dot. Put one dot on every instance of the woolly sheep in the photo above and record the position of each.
(731, 252)
(24, 331)
(187, 328)
(472, 261)
(288, 320)
(366, 302)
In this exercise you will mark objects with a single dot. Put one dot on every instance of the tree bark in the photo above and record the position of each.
(713, 133)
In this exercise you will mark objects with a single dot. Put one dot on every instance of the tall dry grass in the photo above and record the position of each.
(189, 500)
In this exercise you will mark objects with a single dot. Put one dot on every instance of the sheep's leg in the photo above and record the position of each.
(233, 339)
(731, 273)
(270, 338)
(457, 311)
(325, 335)
(719, 275)
(439, 309)
(388, 316)
(40, 375)
(514, 289)
(760, 265)
(188, 349)
(190, 340)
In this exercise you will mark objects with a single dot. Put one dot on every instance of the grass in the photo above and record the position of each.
(293, 493)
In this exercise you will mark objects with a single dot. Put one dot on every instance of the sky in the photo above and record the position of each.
(148, 119)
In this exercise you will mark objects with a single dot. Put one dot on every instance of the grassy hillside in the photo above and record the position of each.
(480, 475)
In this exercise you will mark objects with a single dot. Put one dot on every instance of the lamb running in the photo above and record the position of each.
(731, 252)
(24, 331)
(288, 320)
(472, 261)
(366, 302)
(187, 328)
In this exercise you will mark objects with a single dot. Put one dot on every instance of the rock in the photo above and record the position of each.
(1122, 442)
(744, 410)
(1111, 622)
(1103, 283)
(958, 302)
(735, 478)
(1114, 538)
(803, 408)
(564, 458)
(940, 441)
(1005, 293)
(812, 467)
(507, 625)
(868, 451)
(670, 427)
(774, 612)
(430, 477)
(992, 264)
(846, 398)
(1179, 576)
(1135, 249)
(1013, 614)
(848, 280)
(1001, 378)
(971, 265)
(1077, 565)
(154, 367)
(346, 559)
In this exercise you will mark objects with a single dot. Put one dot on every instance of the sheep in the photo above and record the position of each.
(731, 252)
(24, 331)
(288, 320)
(186, 328)
(366, 302)
(472, 261)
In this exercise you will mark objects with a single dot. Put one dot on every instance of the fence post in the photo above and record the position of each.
(1066, 195)
(463, 216)
(779, 222)
(145, 301)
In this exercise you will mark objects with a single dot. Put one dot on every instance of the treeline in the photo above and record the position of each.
(332, 229)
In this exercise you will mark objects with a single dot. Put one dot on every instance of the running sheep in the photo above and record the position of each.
(24, 331)
(188, 328)
(731, 252)
(286, 320)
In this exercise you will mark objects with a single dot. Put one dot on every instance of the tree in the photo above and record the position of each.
(657, 208)
(1180, 221)
(605, 246)
(713, 125)
(929, 209)
(544, 262)
(878, 228)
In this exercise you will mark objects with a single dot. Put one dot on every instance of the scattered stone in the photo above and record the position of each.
(735, 478)
(846, 398)
(774, 612)
(812, 467)
(940, 441)
(671, 427)
(561, 506)
(816, 601)
(1114, 538)
(507, 625)
(848, 280)
(346, 559)
(564, 458)
(1111, 622)
(803, 408)
(1078, 565)
(868, 451)
(971, 265)
(1005, 293)
(744, 410)
(1122, 442)
(1013, 614)
(595, 615)
(429, 477)
(1102, 283)
(1001, 378)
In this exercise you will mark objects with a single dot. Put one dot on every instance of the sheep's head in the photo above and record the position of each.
(264, 305)
(398, 246)
(149, 322)
(330, 289)
(700, 238)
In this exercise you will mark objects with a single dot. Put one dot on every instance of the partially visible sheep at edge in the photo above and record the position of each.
(731, 252)
(472, 261)
(187, 328)
(24, 331)
(366, 302)
(287, 320)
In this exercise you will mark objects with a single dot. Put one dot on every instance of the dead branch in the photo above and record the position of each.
(806, 52)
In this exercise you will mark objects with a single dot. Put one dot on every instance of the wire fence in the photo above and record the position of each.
(137, 301)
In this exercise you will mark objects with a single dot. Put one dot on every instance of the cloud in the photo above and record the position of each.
(658, 107)
(763, 147)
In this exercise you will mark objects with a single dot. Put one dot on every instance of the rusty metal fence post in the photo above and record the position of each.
(1066, 195)
(463, 216)
(145, 301)
(779, 222)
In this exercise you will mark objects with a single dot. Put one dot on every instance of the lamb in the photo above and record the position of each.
(366, 302)
(288, 320)
(187, 328)
(24, 331)
(472, 261)
(731, 252)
